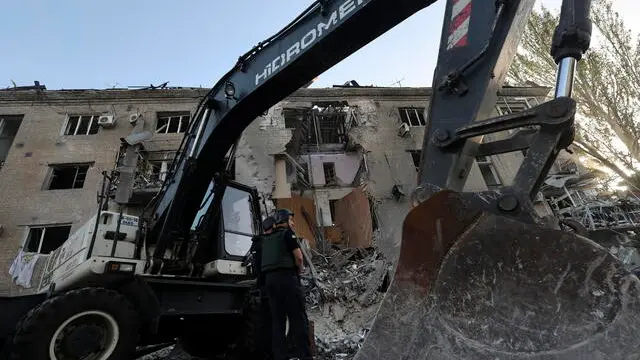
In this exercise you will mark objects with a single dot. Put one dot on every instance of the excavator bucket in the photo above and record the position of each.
(475, 285)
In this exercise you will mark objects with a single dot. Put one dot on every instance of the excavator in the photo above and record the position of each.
(479, 276)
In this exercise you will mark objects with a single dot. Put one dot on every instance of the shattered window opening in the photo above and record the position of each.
(374, 216)
(82, 125)
(415, 156)
(330, 127)
(412, 116)
(323, 123)
(9, 125)
(152, 168)
(332, 210)
(293, 117)
(489, 172)
(67, 176)
(172, 123)
(158, 169)
(44, 239)
(329, 169)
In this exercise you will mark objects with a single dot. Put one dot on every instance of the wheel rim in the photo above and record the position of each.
(89, 335)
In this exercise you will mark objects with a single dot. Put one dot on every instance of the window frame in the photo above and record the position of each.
(93, 119)
(332, 166)
(53, 167)
(415, 158)
(418, 112)
(170, 117)
(28, 229)
(5, 120)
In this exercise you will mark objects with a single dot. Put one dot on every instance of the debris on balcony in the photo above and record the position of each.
(323, 126)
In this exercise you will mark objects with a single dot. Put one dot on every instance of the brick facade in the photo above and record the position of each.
(40, 142)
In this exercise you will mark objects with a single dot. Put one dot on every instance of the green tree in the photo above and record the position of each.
(607, 85)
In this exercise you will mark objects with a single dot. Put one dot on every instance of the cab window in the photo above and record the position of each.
(238, 216)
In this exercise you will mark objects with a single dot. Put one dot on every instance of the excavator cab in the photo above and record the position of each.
(238, 221)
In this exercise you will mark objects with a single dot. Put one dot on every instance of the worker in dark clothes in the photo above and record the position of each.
(264, 327)
(256, 249)
(282, 264)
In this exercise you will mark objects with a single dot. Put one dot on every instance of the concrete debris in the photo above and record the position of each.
(343, 299)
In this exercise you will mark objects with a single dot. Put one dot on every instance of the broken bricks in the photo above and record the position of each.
(342, 298)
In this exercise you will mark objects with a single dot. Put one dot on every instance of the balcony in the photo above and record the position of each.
(151, 169)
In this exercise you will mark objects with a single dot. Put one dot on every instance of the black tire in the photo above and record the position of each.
(249, 338)
(35, 332)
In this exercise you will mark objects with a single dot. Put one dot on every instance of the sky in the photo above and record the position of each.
(79, 44)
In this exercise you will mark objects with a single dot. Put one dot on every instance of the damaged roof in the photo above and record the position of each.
(41, 94)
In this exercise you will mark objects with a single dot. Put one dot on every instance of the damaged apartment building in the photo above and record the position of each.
(343, 158)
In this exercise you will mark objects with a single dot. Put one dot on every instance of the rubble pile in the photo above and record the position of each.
(343, 292)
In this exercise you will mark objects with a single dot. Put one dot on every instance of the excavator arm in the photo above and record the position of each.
(321, 36)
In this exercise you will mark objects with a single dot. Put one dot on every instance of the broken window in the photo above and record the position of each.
(67, 176)
(375, 224)
(45, 239)
(82, 125)
(158, 170)
(332, 210)
(329, 169)
(172, 123)
(489, 173)
(293, 117)
(323, 123)
(329, 125)
(9, 125)
(412, 116)
(415, 156)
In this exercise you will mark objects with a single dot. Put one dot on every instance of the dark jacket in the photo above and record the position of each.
(277, 250)
(255, 252)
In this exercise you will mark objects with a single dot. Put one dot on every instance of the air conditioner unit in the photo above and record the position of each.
(403, 130)
(106, 121)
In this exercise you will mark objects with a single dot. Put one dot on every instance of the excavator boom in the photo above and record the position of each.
(321, 36)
